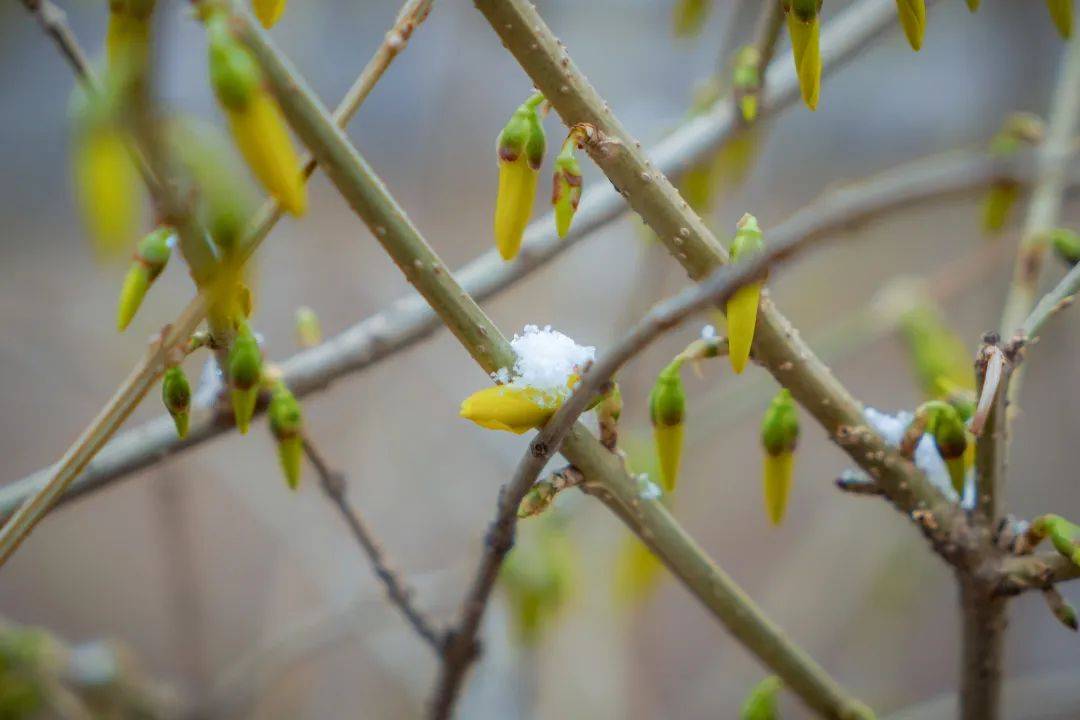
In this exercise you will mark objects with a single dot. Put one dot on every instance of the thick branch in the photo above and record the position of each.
(334, 485)
(983, 638)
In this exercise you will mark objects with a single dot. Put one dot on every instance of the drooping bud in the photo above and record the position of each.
(689, 16)
(245, 373)
(176, 396)
(108, 188)
(761, 702)
(509, 407)
(1066, 244)
(913, 17)
(804, 27)
(566, 186)
(742, 306)
(255, 118)
(950, 437)
(939, 358)
(1019, 129)
(667, 409)
(308, 328)
(1061, 12)
(287, 424)
(149, 261)
(520, 150)
(746, 82)
(1061, 609)
(268, 11)
(779, 436)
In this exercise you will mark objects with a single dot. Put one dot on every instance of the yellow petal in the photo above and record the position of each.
(669, 443)
(132, 293)
(807, 54)
(513, 205)
(260, 133)
(742, 311)
(268, 11)
(777, 484)
(509, 408)
(108, 190)
(913, 17)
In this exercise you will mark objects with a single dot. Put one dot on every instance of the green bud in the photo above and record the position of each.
(151, 256)
(667, 408)
(1066, 244)
(746, 81)
(761, 702)
(748, 239)
(176, 396)
(780, 426)
(950, 437)
(566, 187)
(287, 423)
(245, 372)
(234, 73)
(523, 133)
(308, 328)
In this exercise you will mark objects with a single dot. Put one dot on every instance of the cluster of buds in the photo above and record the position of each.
(742, 306)
(255, 119)
(804, 27)
(520, 149)
(151, 256)
(287, 425)
(268, 11)
(779, 436)
(1061, 12)
(1019, 129)
(667, 411)
(761, 702)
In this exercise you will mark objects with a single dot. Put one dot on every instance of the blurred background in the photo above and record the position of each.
(250, 600)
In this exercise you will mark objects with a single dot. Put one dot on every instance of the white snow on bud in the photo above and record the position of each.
(708, 332)
(891, 428)
(545, 360)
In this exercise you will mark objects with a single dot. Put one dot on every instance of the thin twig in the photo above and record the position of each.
(52, 486)
(334, 484)
(767, 32)
(1056, 300)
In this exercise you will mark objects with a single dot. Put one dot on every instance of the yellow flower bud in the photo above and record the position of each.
(268, 11)
(998, 205)
(667, 409)
(520, 150)
(637, 572)
(566, 187)
(1061, 12)
(150, 258)
(779, 436)
(913, 17)
(742, 306)
(804, 27)
(689, 16)
(973, 5)
(127, 39)
(509, 407)
(108, 188)
(950, 437)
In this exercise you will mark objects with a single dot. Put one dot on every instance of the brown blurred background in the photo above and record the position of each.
(254, 601)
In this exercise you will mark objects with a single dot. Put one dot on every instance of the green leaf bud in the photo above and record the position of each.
(245, 372)
(234, 73)
(950, 437)
(287, 423)
(176, 396)
(1066, 244)
(761, 702)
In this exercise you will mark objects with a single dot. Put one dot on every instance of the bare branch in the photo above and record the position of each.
(334, 484)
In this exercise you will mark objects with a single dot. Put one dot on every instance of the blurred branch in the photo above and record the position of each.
(53, 483)
(334, 485)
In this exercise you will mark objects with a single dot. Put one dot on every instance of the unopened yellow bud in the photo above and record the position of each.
(566, 187)
(779, 436)
(637, 572)
(998, 205)
(520, 150)
(913, 17)
(127, 39)
(287, 424)
(804, 27)
(510, 408)
(108, 188)
(245, 373)
(150, 258)
(261, 134)
(689, 16)
(667, 409)
(973, 5)
(1061, 12)
(742, 306)
(268, 11)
